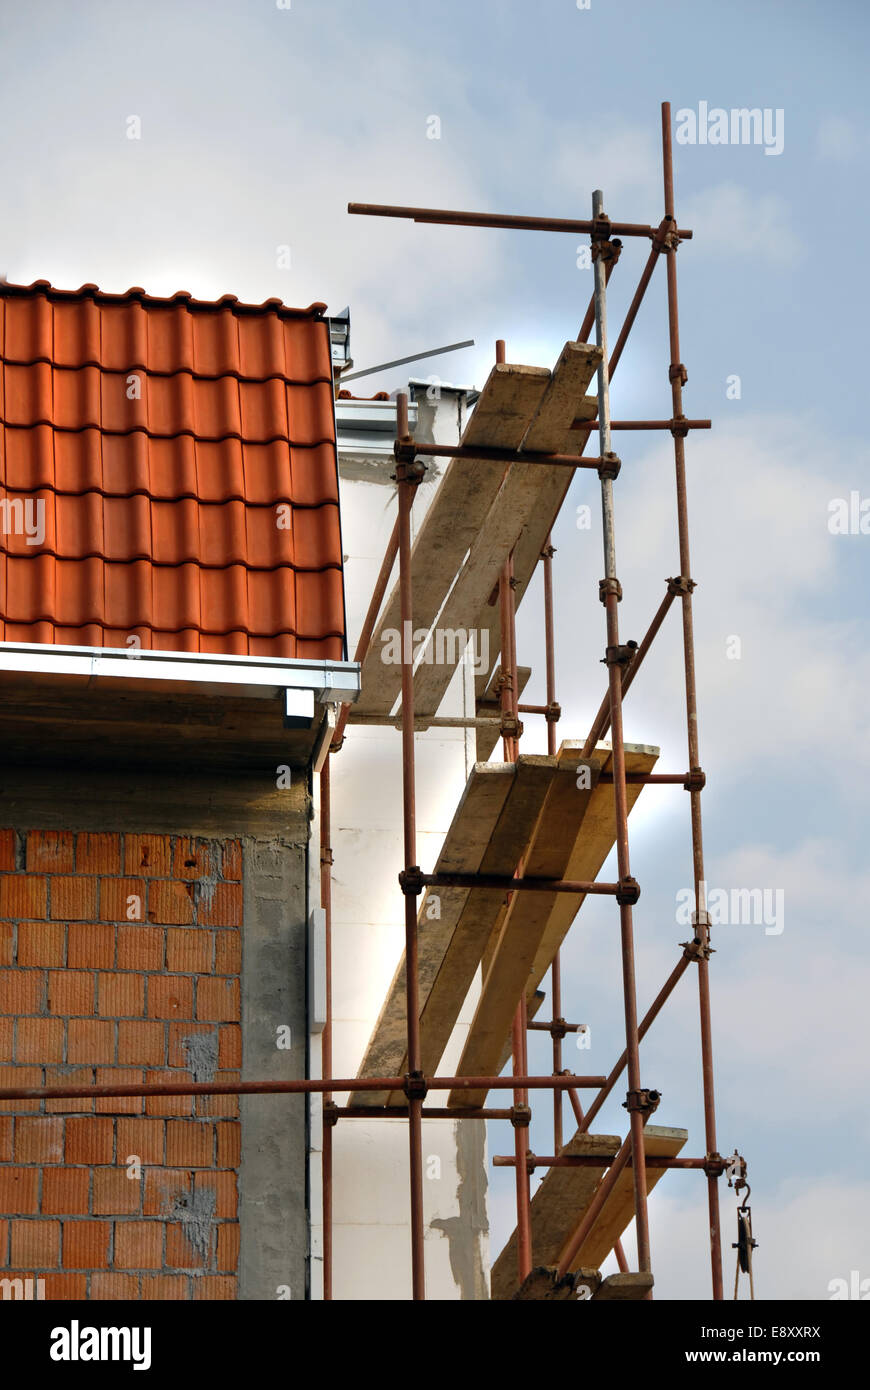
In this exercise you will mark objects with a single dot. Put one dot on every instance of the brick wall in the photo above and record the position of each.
(120, 960)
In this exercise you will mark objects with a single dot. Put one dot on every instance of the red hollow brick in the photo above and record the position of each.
(65, 1191)
(227, 1106)
(223, 908)
(23, 895)
(180, 1252)
(170, 903)
(121, 995)
(7, 936)
(170, 996)
(5, 1138)
(217, 998)
(229, 1145)
(114, 1286)
(168, 1105)
(193, 858)
(214, 1286)
(188, 950)
(34, 1244)
(69, 1076)
(90, 1040)
(223, 1185)
(230, 1046)
(7, 1032)
(144, 1138)
(41, 943)
(138, 1244)
(142, 1042)
(89, 944)
(189, 1144)
(122, 900)
(164, 1286)
(228, 1243)
(116, 1193)
(20, 1076)
(164, 1188)
(7, 850)
(70, 992)
(147, 854)
(86, 1244)
(19, 1190)
(39, 1040)
(89, 1139)
(38, 1139)
(98, 854)
(73, 899)
(140, 947)
(178, 1035)
(228, 952)
(21, 991)
(49, 852)
(232, 857)
(68, 1287)
(120, 1076)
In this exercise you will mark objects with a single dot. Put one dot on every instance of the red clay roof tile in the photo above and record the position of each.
(161, 437)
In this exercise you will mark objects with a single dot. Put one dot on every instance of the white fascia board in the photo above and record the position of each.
(331, 681)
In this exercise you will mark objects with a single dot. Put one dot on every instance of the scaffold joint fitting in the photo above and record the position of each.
(606, 587)
(620, 655)
(715, 1165)
(559, 1028)
(415, 1086)
(521, 1116)
(677, 371)
(641, 1099)
(628, 891)
(696, 949)
(696, 780)
(326, 857)
(610, 466)
(330, 1113)
(510, 727)
(409, 469)
(411, 881)
(681, 584)
(553, 712)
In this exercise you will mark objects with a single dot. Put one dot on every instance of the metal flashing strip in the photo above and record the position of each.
(330, 681)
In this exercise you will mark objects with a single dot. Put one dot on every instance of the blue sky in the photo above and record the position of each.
(259, 124)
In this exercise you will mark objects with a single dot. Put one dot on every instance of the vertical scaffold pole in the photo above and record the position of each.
(677, 376)
(610, 592)
(409, 821)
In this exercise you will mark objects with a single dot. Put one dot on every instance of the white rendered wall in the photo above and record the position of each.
(371, 1232)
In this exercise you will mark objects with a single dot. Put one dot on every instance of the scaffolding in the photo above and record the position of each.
(522, 887)
(519, 864)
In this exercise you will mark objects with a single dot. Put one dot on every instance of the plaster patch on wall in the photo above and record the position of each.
(466, 1231)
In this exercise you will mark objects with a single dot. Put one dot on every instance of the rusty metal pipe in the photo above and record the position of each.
(676, 374)
(409, 821)
(595, 1161)
(449, 217)
(309, 1085)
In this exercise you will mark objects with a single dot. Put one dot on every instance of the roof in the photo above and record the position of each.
(184, 455)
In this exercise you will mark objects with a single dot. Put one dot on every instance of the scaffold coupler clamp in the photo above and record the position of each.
(559, 1028)
(510, 727)
(531, 1163)
(409, 468)
(666, 236)
(609, 466)
(681, 584)
(677, 372)
(697, 949)
(619, 656)
(641, 1099)
(411, 881)
(553, 712)
(606, 587)
(415, 1086)
(696, 780)
(715, 1165)
(521, 1116)
(330, 1113)
(627, 891)
(736, 1169)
